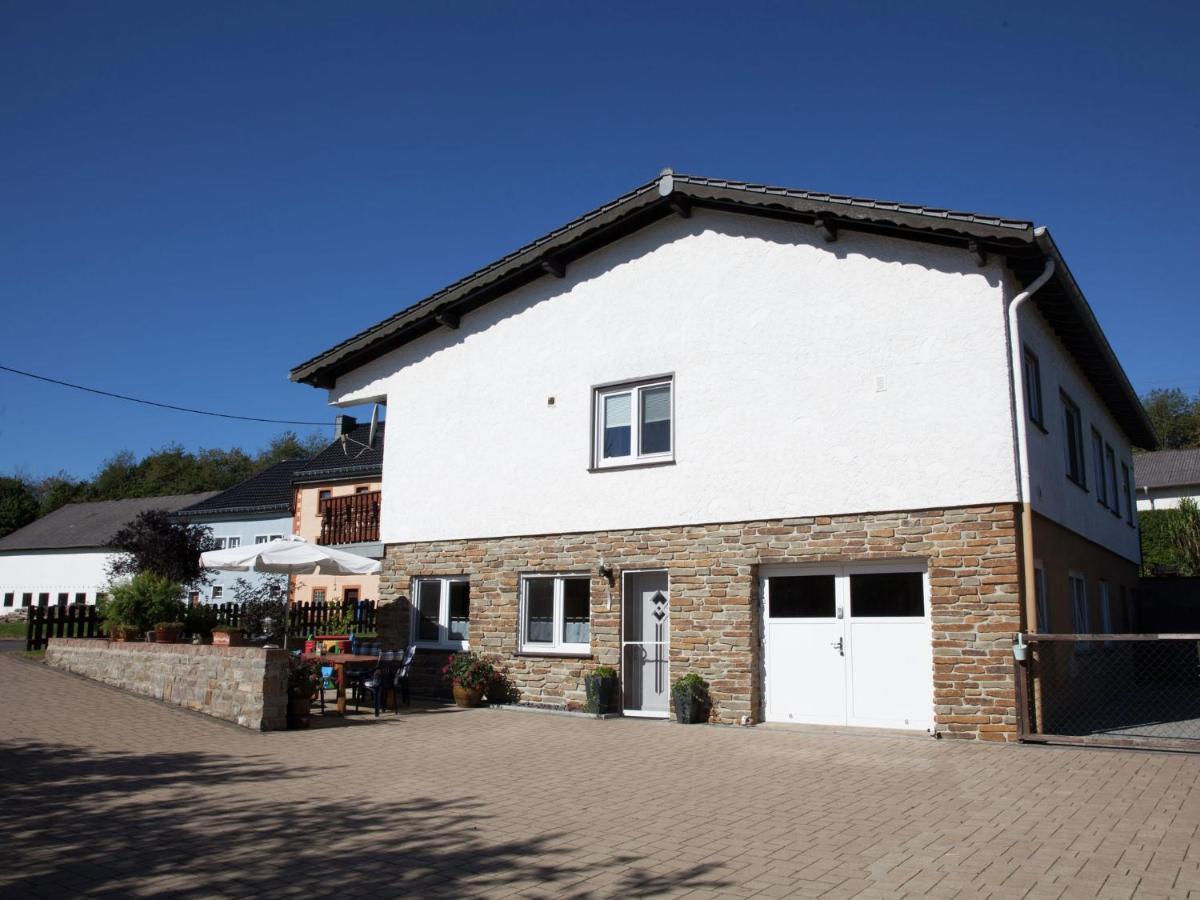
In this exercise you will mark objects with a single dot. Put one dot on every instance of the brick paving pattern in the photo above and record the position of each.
(110, 794)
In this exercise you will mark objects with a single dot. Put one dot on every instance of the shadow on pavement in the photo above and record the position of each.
(76, 820)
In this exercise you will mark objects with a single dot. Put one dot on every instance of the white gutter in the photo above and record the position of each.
(1024, 489)
(1014, 341)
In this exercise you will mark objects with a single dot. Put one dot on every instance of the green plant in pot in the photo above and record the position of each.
(469, 675)
(134, 606)
(501, 688)
(601, 685)
(690, 696)
(167, 632)
(303, 678)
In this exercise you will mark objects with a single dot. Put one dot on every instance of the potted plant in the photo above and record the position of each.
(121, 633)
(500, 689)
(690, 696)
(303, 678)
(601, 688)
(226, 636)
(133, 606)
(167, 632)
(469, 675)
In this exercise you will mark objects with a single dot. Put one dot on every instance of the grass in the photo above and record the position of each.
(12, 629)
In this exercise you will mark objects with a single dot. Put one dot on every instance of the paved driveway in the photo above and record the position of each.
(105, 793)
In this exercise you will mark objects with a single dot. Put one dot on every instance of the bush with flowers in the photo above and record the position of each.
(468, 670)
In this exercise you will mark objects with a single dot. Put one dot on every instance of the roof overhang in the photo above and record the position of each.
(1023, 247)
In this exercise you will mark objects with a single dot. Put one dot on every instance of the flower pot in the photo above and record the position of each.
(467, 697)
(120, 634)
(226, 639)
(601, 694)
(166, 635)
(690, 709)
(498, 690)
(298, 711)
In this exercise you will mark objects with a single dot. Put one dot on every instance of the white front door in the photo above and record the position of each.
(848, 645)
(645, 643)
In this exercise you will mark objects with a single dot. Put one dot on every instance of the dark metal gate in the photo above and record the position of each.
(1134, 690)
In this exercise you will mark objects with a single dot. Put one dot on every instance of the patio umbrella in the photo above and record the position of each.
(292, 555)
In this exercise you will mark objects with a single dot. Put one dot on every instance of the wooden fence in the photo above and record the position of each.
(75, 621)
(80, 621)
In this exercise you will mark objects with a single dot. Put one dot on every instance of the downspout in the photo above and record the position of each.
(1024, 489)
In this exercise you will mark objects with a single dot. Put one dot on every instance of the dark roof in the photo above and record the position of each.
(1026, 248)
(1167, 468)
(351, 458)
(268, 491)
(90, 525)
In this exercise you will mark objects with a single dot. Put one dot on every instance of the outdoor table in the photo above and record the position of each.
(340, 661)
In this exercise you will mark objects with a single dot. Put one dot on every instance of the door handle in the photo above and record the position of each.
(839, 646)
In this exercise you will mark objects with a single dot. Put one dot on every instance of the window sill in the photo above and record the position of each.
(648, 464)
(551, 654)
(1079, 484)
(445, 648)
(1038, 425)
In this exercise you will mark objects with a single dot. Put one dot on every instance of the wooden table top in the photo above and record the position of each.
(333, 659)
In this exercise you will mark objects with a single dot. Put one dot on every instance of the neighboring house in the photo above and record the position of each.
(336, 503)
(768, 436)
(1163, 478)
(63, 557)
(253, 512)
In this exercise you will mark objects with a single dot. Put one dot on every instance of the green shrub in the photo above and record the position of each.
(690, 684)
(604, 672)
(141, 601)
(200, 619)
(1160, 553)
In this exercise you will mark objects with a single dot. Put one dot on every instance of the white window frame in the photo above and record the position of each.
(262, 538)
(1073, 428)
(443, 642)
(635, 456)
(1106, 616)
(1040, 599)
(218, 592)
(1081, 614)
(557, 646)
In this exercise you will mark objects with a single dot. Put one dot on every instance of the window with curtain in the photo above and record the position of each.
(634, 423)
(556, 613)
(442, 612)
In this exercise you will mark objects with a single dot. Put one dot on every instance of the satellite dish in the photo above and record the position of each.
(374, 426)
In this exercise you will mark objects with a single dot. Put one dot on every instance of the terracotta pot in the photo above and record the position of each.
(467, 697)
(166, 635)
(226, 639)
(119, 634)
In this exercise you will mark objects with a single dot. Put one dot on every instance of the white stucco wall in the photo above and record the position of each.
(246, 529)
(1053, 494)
(1166, 498)
(51, 572)
(810, 378)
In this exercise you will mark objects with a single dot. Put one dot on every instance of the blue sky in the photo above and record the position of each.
(195, 197)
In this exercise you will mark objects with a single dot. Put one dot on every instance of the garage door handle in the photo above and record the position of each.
(838, 646)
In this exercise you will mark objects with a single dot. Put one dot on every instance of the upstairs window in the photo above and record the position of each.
(1073, 426)
(1110, 469)
(218, 592)
(8, 598)
(1081, 615)
(1098, 468)
(1127, 490)
(1033, 389)
(634, 423)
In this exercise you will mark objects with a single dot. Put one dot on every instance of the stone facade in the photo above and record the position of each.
(971, 553)
(245, 685)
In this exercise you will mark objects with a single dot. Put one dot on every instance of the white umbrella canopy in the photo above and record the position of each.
(292, 555)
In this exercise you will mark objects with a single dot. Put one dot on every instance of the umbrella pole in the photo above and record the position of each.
(287, 608)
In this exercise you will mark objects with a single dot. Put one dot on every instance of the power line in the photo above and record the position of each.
(186, 409)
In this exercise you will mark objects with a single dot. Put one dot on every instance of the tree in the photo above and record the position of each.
(18, 504)
(156, 542)
(1175, 417)
(289, 446)
(58, 490)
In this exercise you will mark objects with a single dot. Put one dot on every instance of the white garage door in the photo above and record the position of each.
(848, 645)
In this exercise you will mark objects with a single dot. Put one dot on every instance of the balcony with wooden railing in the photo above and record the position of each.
(351, 519)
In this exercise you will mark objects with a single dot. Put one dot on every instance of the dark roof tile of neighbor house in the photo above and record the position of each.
(1167, 468)
(348, 458)
(268, 491)
(90, 525)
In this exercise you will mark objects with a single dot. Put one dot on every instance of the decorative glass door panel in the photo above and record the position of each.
(645, 644)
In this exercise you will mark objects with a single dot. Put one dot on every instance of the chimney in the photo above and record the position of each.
(343, 425)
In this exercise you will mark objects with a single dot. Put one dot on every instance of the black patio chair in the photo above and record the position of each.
(376, 681)
(401, 680)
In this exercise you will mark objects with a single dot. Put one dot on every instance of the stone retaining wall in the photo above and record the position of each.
(244, 685)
